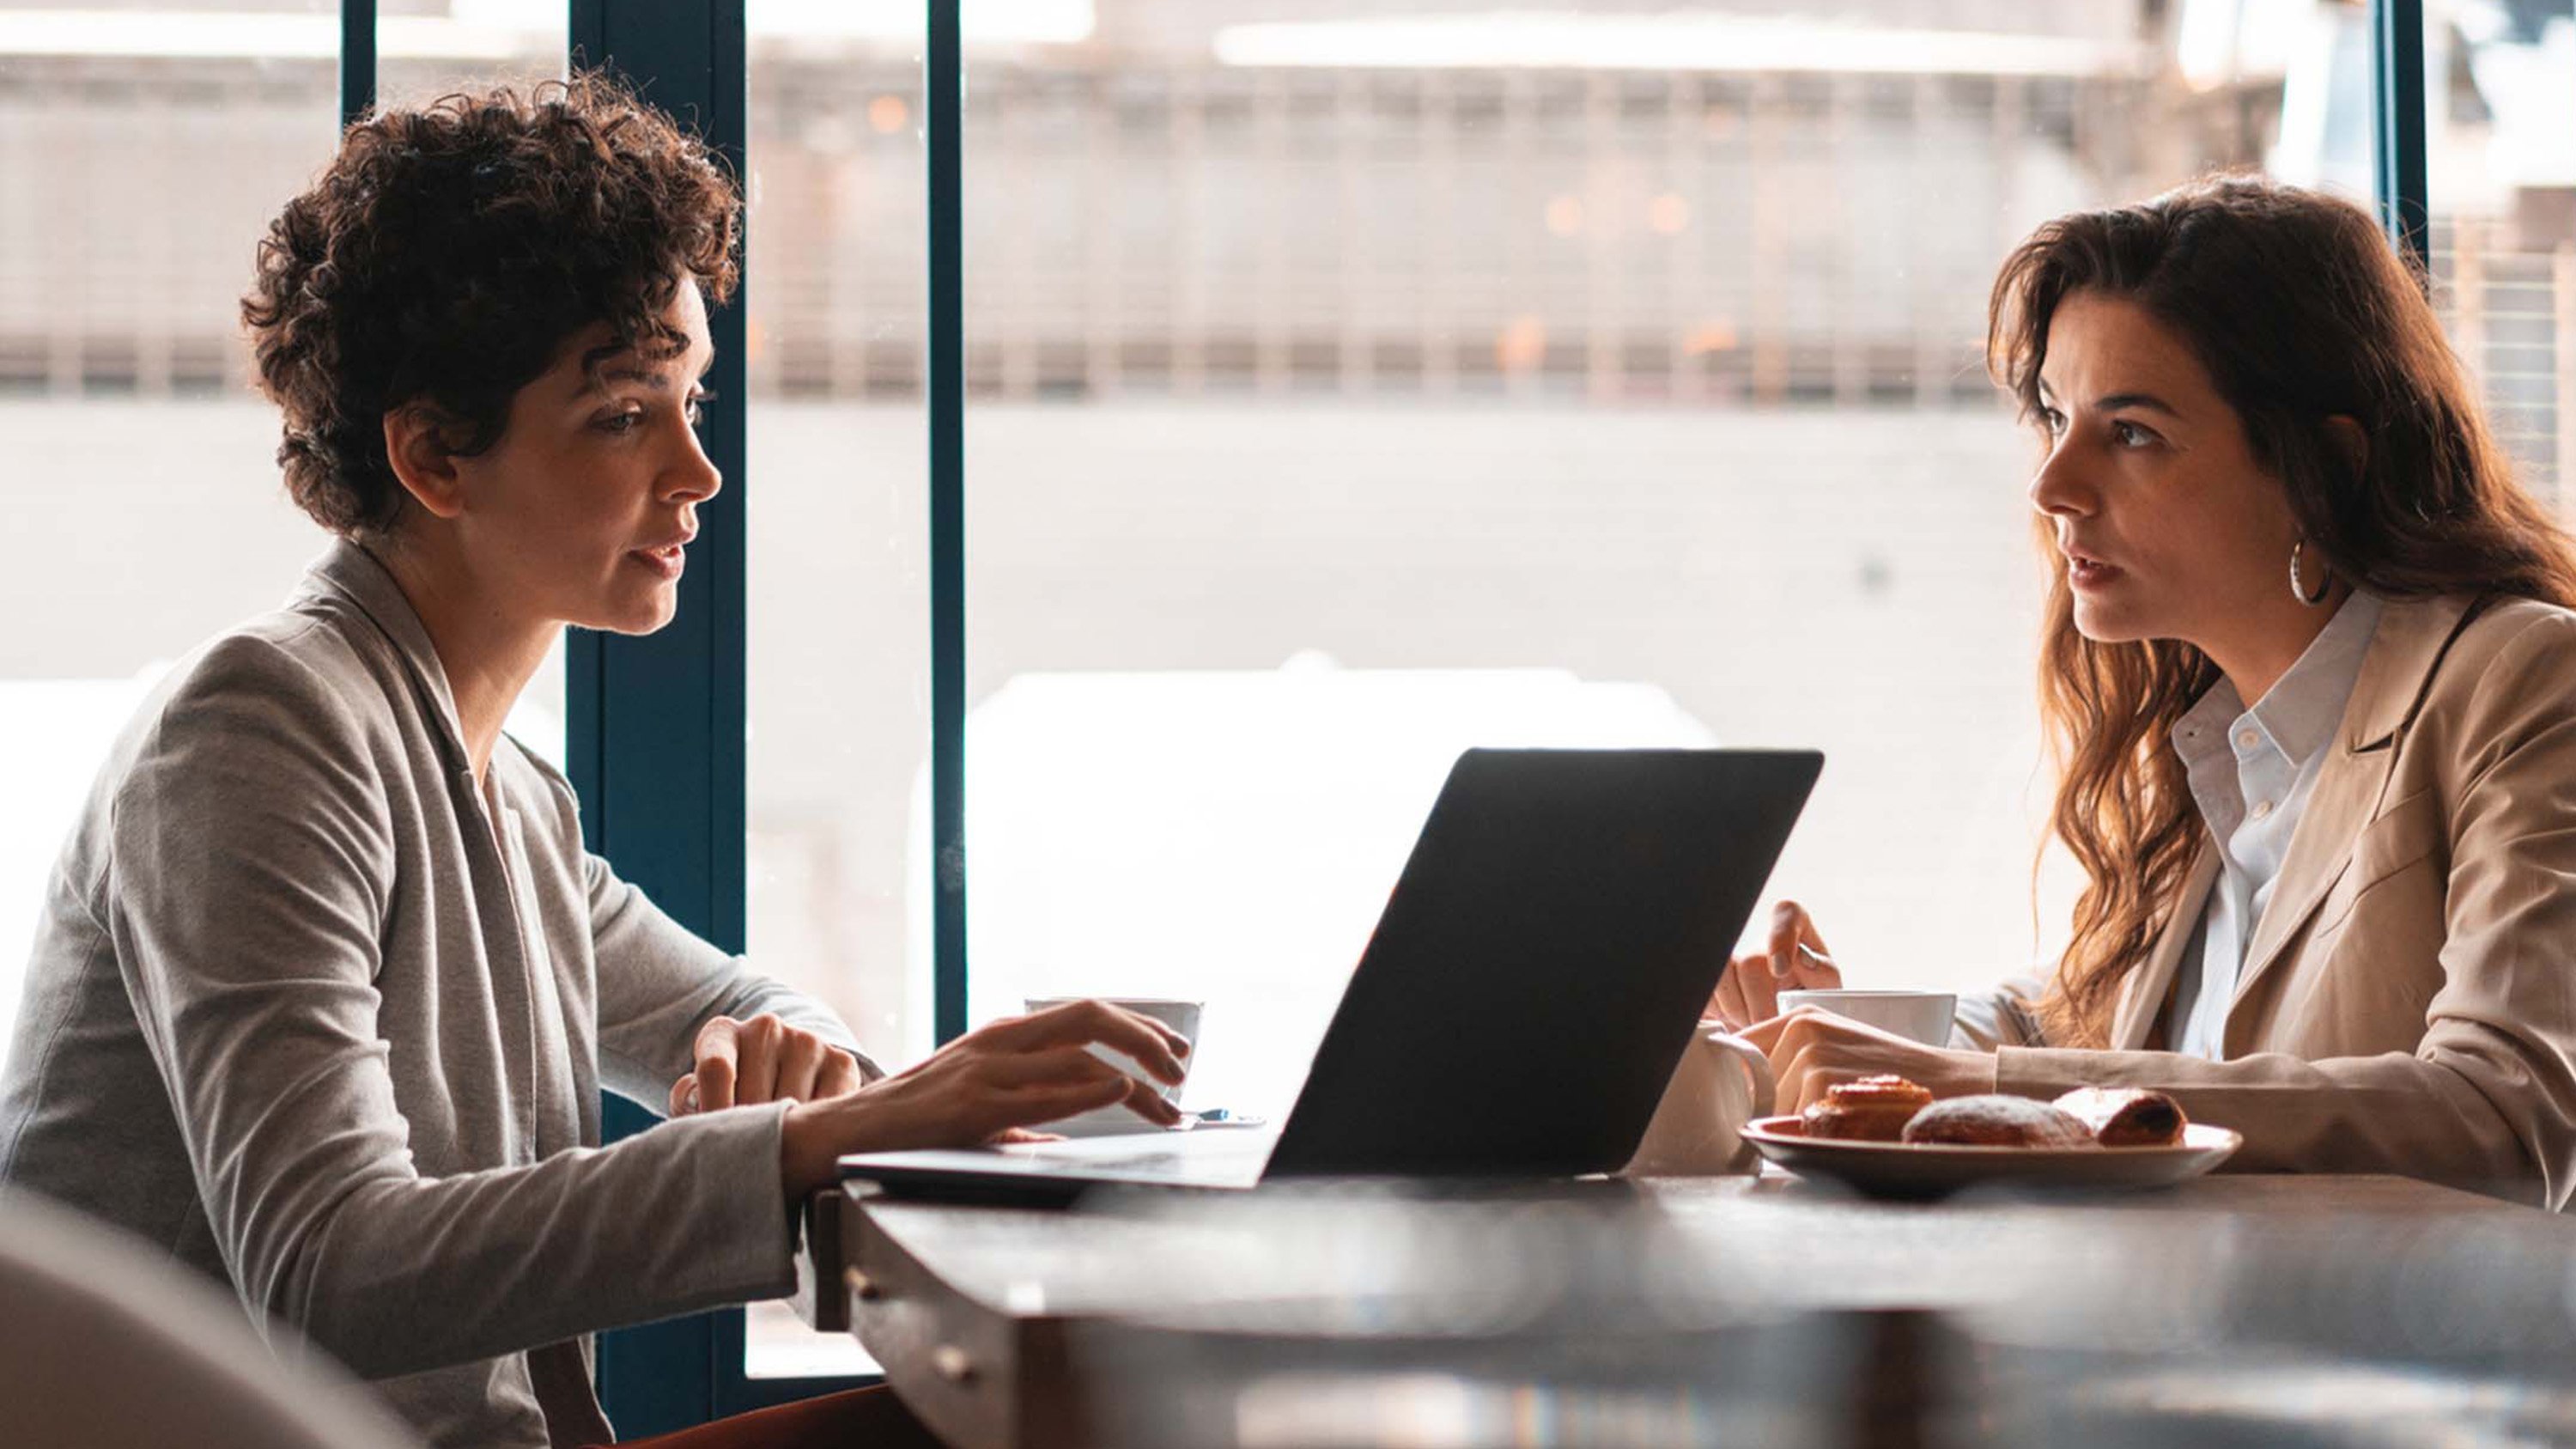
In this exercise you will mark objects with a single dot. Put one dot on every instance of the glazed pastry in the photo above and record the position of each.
(1997, 1121)
(2126, 1116)
(1873, 1109)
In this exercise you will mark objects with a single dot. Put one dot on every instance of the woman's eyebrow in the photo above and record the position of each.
(2112, 402)
(2147, 400)
(613, 362)
(598, 378)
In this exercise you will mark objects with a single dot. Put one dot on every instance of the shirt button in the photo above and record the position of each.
(2247, 738)
(2263, 809)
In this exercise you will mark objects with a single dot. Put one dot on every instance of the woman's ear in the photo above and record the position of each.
(2351, 444)
(416, 447)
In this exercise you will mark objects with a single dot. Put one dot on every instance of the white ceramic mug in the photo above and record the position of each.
(1922, 1016)
(1721, 1083)
(1180, 1016)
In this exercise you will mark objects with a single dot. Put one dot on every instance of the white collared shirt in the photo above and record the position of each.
(2251, 772)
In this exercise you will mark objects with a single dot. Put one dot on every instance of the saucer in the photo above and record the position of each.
(1918, 1170)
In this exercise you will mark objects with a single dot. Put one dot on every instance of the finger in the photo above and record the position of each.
(1765, 1034)
(1142, 1038)
(684, 1095)
(1727, 1002)
(1807, 935)
(1791, 1077)
(1052, 1066)
(718, 1050)
(1788, 924)
(1746, 991)
(757, 1043)
(1148, 1103)
(839, 1075)
(1814, 1072)
(1796, 1074)
(800, 1062)
(1029, 1106)
(1761, 990)
(1813, 971)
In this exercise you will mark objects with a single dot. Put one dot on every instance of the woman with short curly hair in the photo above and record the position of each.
(326, 987)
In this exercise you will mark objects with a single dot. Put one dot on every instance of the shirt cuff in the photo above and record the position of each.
(749, 1250)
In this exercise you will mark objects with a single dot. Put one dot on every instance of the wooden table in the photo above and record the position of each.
(995, 1324)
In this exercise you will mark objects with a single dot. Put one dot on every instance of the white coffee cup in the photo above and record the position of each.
(1922, 1016)
(1720, 1083)
(1180, 1016)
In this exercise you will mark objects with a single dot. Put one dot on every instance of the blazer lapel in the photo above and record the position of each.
(2143, 994)
(2403, 655)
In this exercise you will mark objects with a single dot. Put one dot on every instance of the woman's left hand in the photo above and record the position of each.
(1812, 1050)
(740, 1063)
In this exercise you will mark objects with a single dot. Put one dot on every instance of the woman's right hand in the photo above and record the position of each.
(1009, 1074)
(1749, 991)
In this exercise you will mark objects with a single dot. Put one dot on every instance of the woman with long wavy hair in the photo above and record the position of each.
(2309, 672)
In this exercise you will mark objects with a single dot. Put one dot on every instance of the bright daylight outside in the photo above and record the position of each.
(1350, 382)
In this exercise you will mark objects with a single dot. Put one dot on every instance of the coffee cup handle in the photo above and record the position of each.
(1766, 1090)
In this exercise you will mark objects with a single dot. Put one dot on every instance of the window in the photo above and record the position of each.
(141, 481)
(2498, 111)
(838, 624)
(1347, 391)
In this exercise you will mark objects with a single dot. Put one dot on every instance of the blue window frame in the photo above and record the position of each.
(656, 725)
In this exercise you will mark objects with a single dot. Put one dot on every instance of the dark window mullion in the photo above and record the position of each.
(943, 94)
(2399, 170)
(357, 59)
(656, 737)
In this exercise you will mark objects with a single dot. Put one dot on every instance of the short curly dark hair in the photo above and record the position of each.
(449, 252)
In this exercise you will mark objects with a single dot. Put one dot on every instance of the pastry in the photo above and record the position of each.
(1873, 1109)
(2126, 1116)
(1997, 1121)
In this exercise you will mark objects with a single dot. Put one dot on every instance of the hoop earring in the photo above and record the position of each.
(2298, 589)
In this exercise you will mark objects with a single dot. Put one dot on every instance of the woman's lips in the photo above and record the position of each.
(667, 560)
(2089, 573)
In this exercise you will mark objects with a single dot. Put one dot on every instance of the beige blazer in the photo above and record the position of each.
(2408, 1001)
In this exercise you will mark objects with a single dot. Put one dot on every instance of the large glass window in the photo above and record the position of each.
(424, 50)
(2500, 107)
(142, 484)
(1347, 390)
(838, 629)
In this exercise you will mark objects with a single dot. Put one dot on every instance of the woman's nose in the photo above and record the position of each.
(2057, 489)
(694, 476)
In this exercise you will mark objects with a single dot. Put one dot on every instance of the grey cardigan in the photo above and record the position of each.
(311, 1012)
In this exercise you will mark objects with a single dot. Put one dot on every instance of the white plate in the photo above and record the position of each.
(1905, 1169)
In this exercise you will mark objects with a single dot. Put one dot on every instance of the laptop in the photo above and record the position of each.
(1535, 976)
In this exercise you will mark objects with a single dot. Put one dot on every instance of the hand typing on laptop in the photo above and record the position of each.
(1004, 1076)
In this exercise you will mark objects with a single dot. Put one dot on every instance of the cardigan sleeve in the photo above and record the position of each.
(252, 843)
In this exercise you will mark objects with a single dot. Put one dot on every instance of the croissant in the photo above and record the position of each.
(2126, 1116)
(1872, 1109)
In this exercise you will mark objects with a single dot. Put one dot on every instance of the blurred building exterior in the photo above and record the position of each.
(1750, 206)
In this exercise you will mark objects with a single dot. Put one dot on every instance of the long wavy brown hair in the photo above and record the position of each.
(2301, 311)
